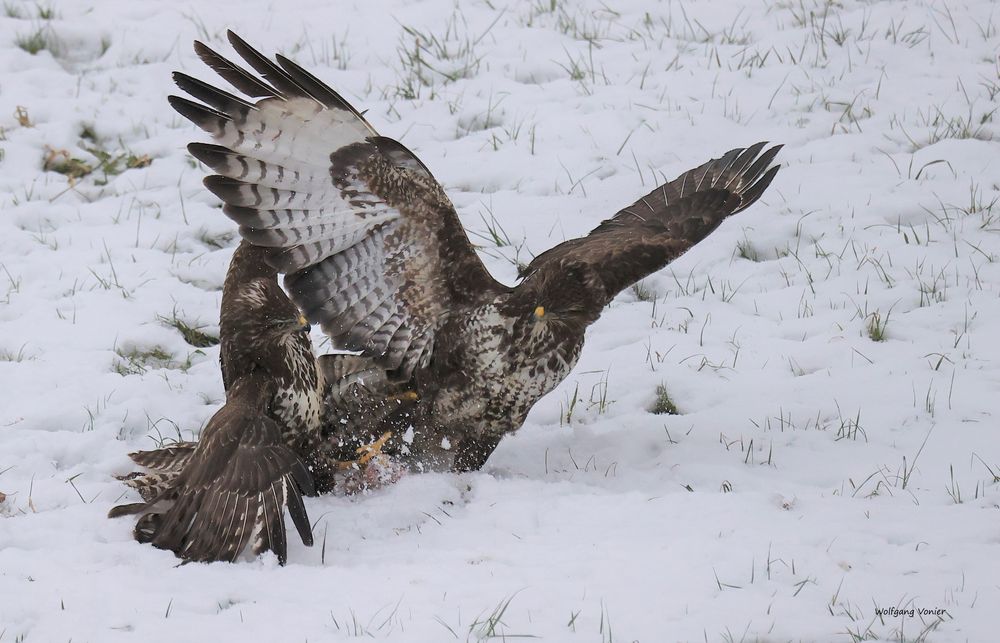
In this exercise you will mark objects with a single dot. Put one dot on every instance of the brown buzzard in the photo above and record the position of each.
(373, 251)
(208, 500)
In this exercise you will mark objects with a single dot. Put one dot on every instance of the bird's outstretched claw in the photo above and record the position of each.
(368, 453)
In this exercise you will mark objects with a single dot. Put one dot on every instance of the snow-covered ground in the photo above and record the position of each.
(833, 352)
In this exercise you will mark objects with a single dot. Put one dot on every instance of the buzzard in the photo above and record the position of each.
(260, 452)
(373, 251)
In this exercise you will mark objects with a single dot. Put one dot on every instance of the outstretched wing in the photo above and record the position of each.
(164, 465)
(371, 247)
(171, 458)
(233, 492)
(662, 225)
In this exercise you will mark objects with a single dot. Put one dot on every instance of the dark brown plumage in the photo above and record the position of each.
(233, 491)
(209, 500)
(261, 330)
(373, 250)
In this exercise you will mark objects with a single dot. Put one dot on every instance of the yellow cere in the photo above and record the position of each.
(540, 312)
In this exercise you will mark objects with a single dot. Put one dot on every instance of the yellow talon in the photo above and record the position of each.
(368, 452)
(374, 449)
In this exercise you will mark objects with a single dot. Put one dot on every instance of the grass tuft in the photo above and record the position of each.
(62, 162)
(108, 163)
(22, 117)
(7, 355)
(33, 42)
(877, 326)
(428, 59)
(137, 361)
(493, 626)
(88, 133)
(46, 12)
(663, 404)
(41, 39)
(114, 164)
(643, 292)
(191, 334)
(745, 250)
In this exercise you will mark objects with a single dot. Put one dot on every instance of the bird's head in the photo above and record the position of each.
(291, 323)
(262, 312)
(572, 296)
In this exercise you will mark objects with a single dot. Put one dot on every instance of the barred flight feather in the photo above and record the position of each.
(303, 173)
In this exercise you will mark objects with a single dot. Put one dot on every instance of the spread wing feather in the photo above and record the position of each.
(234, 489)
(662, 225)
(169, 458)
(164, 465)
(371, 247)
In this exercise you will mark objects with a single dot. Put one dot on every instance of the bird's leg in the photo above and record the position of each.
(376, 415)
(372, 469)
(368, 453)
(361, 473)
(373, 450)
(357, 417)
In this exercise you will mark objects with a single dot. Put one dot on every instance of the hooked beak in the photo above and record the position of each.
(298, 324)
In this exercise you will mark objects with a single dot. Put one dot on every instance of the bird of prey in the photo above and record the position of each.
(260, 452)
(373, 251)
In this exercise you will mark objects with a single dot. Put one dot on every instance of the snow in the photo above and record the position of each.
(813, 477)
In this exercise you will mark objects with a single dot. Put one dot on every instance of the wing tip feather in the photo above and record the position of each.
(208, 119)
(214, 156)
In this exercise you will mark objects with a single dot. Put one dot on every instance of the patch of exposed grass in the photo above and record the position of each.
(62, 162)
(599, 394)
(33, 42)
(7, 355)
(41, 39)
(877, 326)
(113, 164)
(22, 117)
(430, 59)
(663, 404)
(191, 334)
(492, 626)
(566, 411)
(746, 250)
(495, 233)
(496, 236)
(643, 292)
(106, 162)
(137, 361)
(88, 133)
(45, 12)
